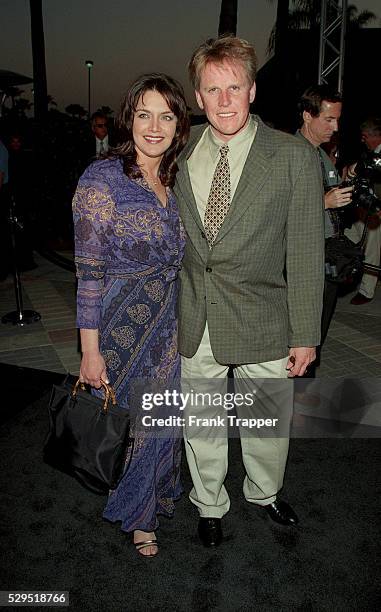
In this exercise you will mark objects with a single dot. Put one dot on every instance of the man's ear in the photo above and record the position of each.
(252, 92)
(307, 117)
(199, 100)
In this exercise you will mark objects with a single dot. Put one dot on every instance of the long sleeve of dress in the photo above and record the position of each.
(93, 213)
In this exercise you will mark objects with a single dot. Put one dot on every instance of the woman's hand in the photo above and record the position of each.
(93, 369)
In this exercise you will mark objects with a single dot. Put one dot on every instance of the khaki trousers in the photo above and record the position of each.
(264, 458)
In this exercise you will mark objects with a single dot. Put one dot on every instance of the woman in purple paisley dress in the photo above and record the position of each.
(128, 247)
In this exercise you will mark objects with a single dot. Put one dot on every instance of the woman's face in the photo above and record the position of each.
(154, 126)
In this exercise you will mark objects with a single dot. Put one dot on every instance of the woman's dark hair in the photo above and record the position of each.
(173, 93)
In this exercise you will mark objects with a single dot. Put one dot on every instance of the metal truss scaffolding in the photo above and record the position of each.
(332, 42)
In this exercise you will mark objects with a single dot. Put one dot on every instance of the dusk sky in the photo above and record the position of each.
(124, 38)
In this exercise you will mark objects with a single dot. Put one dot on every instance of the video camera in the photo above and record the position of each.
(344, 258)
(368, 172)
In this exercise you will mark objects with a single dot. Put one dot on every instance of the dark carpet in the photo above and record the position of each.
(53, 536)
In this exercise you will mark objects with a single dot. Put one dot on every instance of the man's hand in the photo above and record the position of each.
(336, 197)
(299, 359)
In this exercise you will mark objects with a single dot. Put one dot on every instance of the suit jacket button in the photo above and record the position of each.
(208, 269)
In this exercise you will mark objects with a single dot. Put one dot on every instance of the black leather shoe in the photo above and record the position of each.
(280, 512)
(210, 531)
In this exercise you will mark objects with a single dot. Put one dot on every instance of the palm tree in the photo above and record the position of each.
(105, 110)
(305, 14)
(51, 101)
(228, 17)
(14, 92)
(19, 105)
(22, 105)
(39, 67)
(76, 110)
(278, 37)
(281, 27)
(357, 20)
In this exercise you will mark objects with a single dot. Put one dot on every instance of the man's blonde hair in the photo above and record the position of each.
(217, 50)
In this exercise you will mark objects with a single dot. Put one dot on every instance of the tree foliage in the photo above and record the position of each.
(305, 14)
(76, 110)
(105, 110)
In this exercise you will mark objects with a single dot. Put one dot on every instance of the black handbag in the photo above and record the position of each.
(88, 436)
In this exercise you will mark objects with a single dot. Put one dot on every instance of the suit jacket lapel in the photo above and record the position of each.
(253, 177)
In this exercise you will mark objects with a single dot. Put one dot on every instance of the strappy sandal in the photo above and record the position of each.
(144, 544)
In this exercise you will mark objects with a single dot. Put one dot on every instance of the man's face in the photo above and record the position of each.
(370, 139)
(225, 95)
(15, 143)
(320, 129)
(99, 127)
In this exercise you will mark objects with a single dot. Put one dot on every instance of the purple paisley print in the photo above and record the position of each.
(128, 249)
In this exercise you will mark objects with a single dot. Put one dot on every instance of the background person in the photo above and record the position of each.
(98, 141)
(128, 248)
(99, 127)
(371, 137)
(320, 107)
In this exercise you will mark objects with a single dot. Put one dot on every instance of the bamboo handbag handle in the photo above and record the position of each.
(109, 393)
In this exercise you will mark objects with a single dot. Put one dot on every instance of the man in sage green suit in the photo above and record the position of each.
(252, 297)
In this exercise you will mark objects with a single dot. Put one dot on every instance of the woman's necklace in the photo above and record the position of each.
(157, 187)
(150, 180)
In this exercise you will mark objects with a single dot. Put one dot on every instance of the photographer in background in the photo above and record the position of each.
(320, 108)
(371, 137)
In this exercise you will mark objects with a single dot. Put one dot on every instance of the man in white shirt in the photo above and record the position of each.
(100, 131)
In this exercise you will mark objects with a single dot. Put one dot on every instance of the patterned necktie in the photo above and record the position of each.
(101, 148)
(219, 197)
